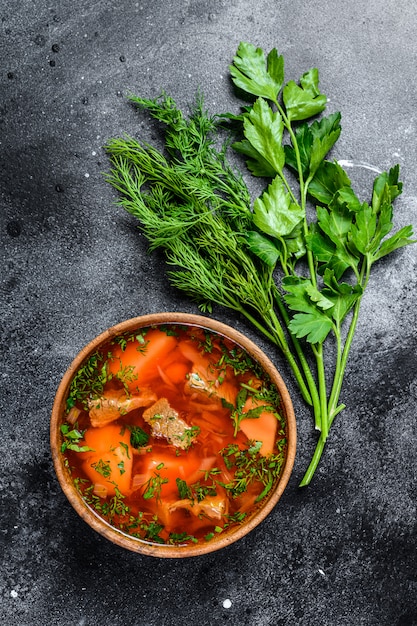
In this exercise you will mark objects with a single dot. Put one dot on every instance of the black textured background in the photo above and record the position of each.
(339, 553)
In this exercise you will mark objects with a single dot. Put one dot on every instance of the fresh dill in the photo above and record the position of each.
(89, 381)
(124, 339)
(102, 467)
(72, 437)
(249, 466)
(153, 486)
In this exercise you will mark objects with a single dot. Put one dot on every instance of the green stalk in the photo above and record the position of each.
(314, 462)
(339, 374)
(303, 187)
(334, 408)
(311, 383)
(321, 419)
(320, 407)
(274, 335)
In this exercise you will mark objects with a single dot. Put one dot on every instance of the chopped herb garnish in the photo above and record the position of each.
(152, 488)
(183, 537)
(138, 437)
(72, 438)
(89, 381)
(152, 531)
(125, 447)
(183, 490)
(189, 435)
(102, 467)
(249, 466)
(123, 340)
(114, 507)
(126, 375)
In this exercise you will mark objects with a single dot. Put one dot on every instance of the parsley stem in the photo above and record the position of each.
(333, 407)
(303, 187)
(321, 416)
(314, 461)
(312, 397)
(340, 370)
(276, 336)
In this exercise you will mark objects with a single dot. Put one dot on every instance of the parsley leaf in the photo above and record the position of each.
(256, 75)
(304, 100)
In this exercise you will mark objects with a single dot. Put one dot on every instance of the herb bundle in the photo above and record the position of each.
(298, 279)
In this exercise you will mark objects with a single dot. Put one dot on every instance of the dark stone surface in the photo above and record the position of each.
(339, 553)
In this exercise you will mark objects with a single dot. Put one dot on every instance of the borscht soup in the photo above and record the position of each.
(173, 434)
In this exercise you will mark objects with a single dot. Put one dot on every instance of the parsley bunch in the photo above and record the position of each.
(298, 279)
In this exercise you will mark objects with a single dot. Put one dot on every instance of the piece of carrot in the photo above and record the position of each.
(142, 359)
(176, 372)
(109, 463)
(166, 465)
(262, 428)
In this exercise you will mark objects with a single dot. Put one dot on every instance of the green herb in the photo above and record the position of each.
(189, 435)
(237, 414)
(237, 517)
(200, 491)
(72, 438)
(171, 330)
(114, 507)
(238, 360)
(249, 466)
(299, 281)
(126, 375)
(214, 471)
(138, 437)
(184, 491)
(152, 530)
(123, 340)
(116, 512)
(153, 486)
(175, 538)
(89, 381)
(102, 467)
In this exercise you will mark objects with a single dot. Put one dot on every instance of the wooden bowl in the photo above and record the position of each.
(139, 545)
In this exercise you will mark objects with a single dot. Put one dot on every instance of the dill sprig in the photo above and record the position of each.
(190, 203)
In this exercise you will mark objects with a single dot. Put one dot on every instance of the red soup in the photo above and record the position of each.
(173, 434)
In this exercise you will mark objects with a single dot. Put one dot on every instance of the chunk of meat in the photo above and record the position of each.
(213, 507)
(206, 388)
(166, 422)
(116, 403)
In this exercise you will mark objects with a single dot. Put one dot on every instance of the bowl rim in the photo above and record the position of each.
(93, 519)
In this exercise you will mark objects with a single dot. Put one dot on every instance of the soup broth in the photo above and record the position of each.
(173, 434)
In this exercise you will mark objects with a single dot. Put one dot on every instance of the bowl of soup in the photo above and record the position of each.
(172, 435)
